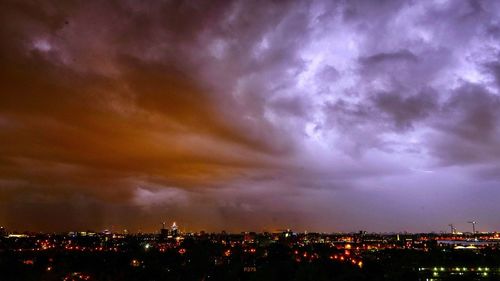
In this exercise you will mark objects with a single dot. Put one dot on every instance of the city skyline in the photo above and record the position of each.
(171, 254)
(184, 229)
(250, 115)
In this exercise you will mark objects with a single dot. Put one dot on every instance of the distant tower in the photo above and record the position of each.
(174, 229)
(163, 232)
(453, 229)
(473, 226)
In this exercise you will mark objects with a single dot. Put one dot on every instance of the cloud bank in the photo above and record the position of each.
(250, 115)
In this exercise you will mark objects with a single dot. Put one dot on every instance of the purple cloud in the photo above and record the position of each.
(313, 115)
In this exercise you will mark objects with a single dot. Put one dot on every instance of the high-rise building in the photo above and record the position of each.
(174, 229)
(163, 232)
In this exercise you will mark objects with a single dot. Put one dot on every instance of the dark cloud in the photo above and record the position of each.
(244, 114)
(403, 111)
(328, 74)
(399, 56)
(494, 69)
(469, 121)
(290, 106)
(475, 111)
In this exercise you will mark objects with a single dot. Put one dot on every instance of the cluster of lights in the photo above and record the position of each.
(483, 271)
(90, 249)
(135, 263)
(251, 250)
(435, 269)
(305, 256)
(76, 276)
(44, 245)
(343, 258)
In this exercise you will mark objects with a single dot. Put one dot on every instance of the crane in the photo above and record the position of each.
(473, 226)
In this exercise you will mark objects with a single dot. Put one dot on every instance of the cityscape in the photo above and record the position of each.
(250, 140)
(170, 254)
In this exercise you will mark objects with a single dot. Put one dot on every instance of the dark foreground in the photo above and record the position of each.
(237, 258)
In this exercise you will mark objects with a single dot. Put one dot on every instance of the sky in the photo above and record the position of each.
(322, 115)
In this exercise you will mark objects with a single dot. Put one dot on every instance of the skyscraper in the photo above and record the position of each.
(174, 230)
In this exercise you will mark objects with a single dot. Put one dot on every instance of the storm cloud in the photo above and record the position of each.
(249, 115)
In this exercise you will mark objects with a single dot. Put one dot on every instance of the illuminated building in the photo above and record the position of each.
(174, 230)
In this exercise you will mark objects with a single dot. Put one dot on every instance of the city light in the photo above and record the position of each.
(254, 248)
